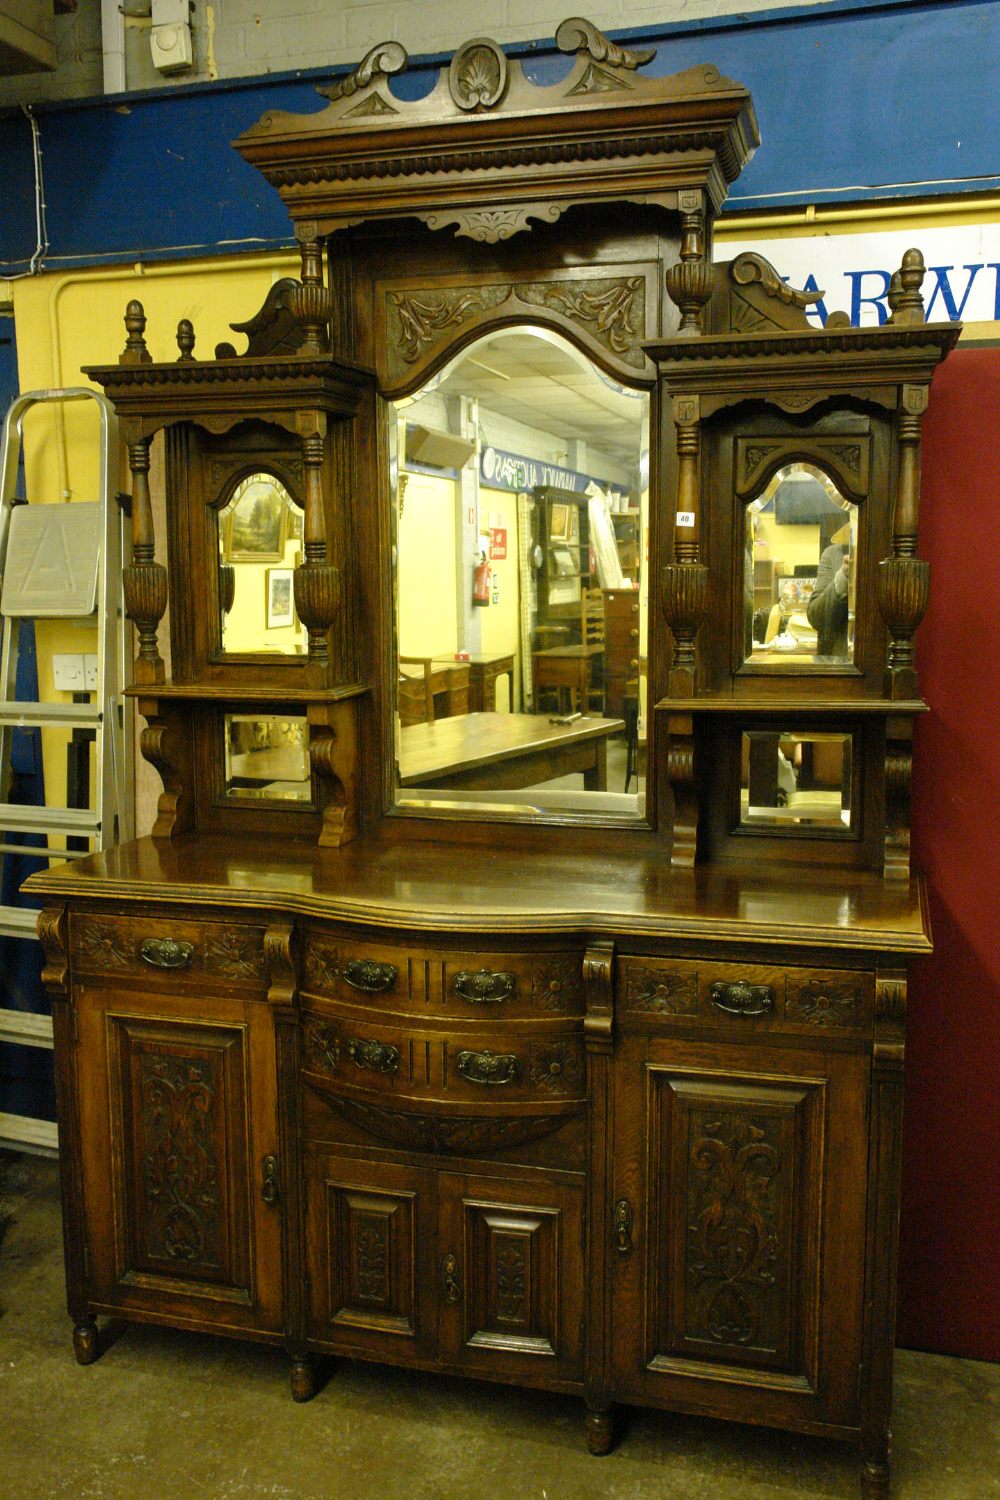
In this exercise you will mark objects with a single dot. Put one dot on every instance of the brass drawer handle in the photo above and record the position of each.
(378, 1057)
(488, 1067)
(165, 953)
(742, 999)
(374, 978)
(450, 1279)
(484, 987)
(269, 1190)
(623, 1227)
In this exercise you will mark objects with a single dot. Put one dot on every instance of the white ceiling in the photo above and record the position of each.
(534, 377)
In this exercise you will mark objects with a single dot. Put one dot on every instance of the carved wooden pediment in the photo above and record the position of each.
(488, 150)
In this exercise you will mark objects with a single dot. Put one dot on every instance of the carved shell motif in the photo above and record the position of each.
(478, 75)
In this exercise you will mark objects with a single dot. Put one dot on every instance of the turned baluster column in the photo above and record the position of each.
(904, 578)
(685, 580)
(310, 302)
(689, 282)
(317, 581)
(145, 580)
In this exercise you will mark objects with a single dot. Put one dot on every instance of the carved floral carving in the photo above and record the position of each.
(381, 62)
(179, 1167)
(444, 1133)
(479, 75)
(371, 1240)
(322, 1046)
(555, 985)
(556, 1068)
(511, 1259)
(662, 993)
(235, 954)
(733, 1245)
(825, 1004)
(105, 946)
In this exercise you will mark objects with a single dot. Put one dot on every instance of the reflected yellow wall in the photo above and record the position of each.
(428, 609)
(794, 546)
(66, 320)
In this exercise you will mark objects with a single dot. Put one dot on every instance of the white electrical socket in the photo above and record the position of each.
(90, 671)
(69, 675)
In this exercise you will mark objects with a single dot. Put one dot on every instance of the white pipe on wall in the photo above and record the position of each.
(113, 46)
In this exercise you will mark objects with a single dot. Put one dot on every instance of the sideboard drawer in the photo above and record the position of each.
(739, 997)
(167, 949)
(468, 985)
(444, 1067)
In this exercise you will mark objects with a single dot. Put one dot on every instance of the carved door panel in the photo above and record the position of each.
(369, 1249)
(738, 1223)
(510, 1274)
(181, 1177)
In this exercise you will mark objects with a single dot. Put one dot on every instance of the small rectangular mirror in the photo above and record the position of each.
(267, 758)
(796, 781)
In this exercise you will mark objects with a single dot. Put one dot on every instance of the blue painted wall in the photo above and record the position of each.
(856, 100)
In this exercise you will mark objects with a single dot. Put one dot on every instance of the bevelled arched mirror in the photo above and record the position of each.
(260, 545)
(520, 512)
(800, 569)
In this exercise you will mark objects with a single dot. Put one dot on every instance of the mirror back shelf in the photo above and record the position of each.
(795, 587)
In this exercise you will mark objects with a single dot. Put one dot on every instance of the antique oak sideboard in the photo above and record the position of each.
(594, 1097)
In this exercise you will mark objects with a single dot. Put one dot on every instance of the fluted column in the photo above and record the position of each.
(317, 581)
(685, 580)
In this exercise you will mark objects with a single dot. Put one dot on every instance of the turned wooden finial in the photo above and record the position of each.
(135, 351)
(185, 339)
(905, 300)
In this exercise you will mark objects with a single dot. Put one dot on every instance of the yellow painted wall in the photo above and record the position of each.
(64, 320)
(428, 611)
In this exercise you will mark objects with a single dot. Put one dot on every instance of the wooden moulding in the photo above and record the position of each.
(488, 151)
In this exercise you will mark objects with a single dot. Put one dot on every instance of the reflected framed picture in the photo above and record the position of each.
(280, 599)
(255, 522)
(560, 522)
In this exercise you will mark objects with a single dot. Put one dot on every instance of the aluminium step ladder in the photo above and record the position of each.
(61, 562)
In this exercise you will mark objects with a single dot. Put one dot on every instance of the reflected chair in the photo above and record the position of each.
(414, 694)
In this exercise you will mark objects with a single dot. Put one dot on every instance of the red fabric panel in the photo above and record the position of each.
(949, 1281)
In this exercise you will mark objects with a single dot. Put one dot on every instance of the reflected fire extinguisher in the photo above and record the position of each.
(481, 581)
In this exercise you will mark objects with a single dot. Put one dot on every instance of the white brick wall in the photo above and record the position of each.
(242, 38)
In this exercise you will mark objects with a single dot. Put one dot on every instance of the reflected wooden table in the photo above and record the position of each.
(484, 668)
(504, 751)
(566, 668)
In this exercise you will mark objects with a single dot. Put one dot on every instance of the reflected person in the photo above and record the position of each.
(827, 609)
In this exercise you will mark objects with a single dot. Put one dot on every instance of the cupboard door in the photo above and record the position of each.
(369, 1252)
(738, 1225)
(510, 1271)
(181, 1176)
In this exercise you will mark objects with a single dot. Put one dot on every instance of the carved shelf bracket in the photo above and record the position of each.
(684, 789)
(333, 757)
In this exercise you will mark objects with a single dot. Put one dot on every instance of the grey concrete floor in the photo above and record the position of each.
(164, 1415)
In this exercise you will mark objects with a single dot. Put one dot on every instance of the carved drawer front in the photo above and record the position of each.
(509, 1255)
(474, 986)
(167, 949)
(741, 998)
(368, 1229)
(485, 1068)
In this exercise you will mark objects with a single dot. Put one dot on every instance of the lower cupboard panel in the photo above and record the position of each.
(464, 1272)
(743, 1178)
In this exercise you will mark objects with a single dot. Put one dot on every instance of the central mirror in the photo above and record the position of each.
(260, 546)
(520, 494)
(801, 547)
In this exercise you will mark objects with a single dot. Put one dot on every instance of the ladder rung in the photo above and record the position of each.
(31, 851)
(39, 1136)
(22, 818)
(18, 921)
(71, 715)
(25, 1028)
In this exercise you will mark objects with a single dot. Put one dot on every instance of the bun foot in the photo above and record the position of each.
(600, 1430)
(302, 1379)
(85, 1342)
(874, 1481)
